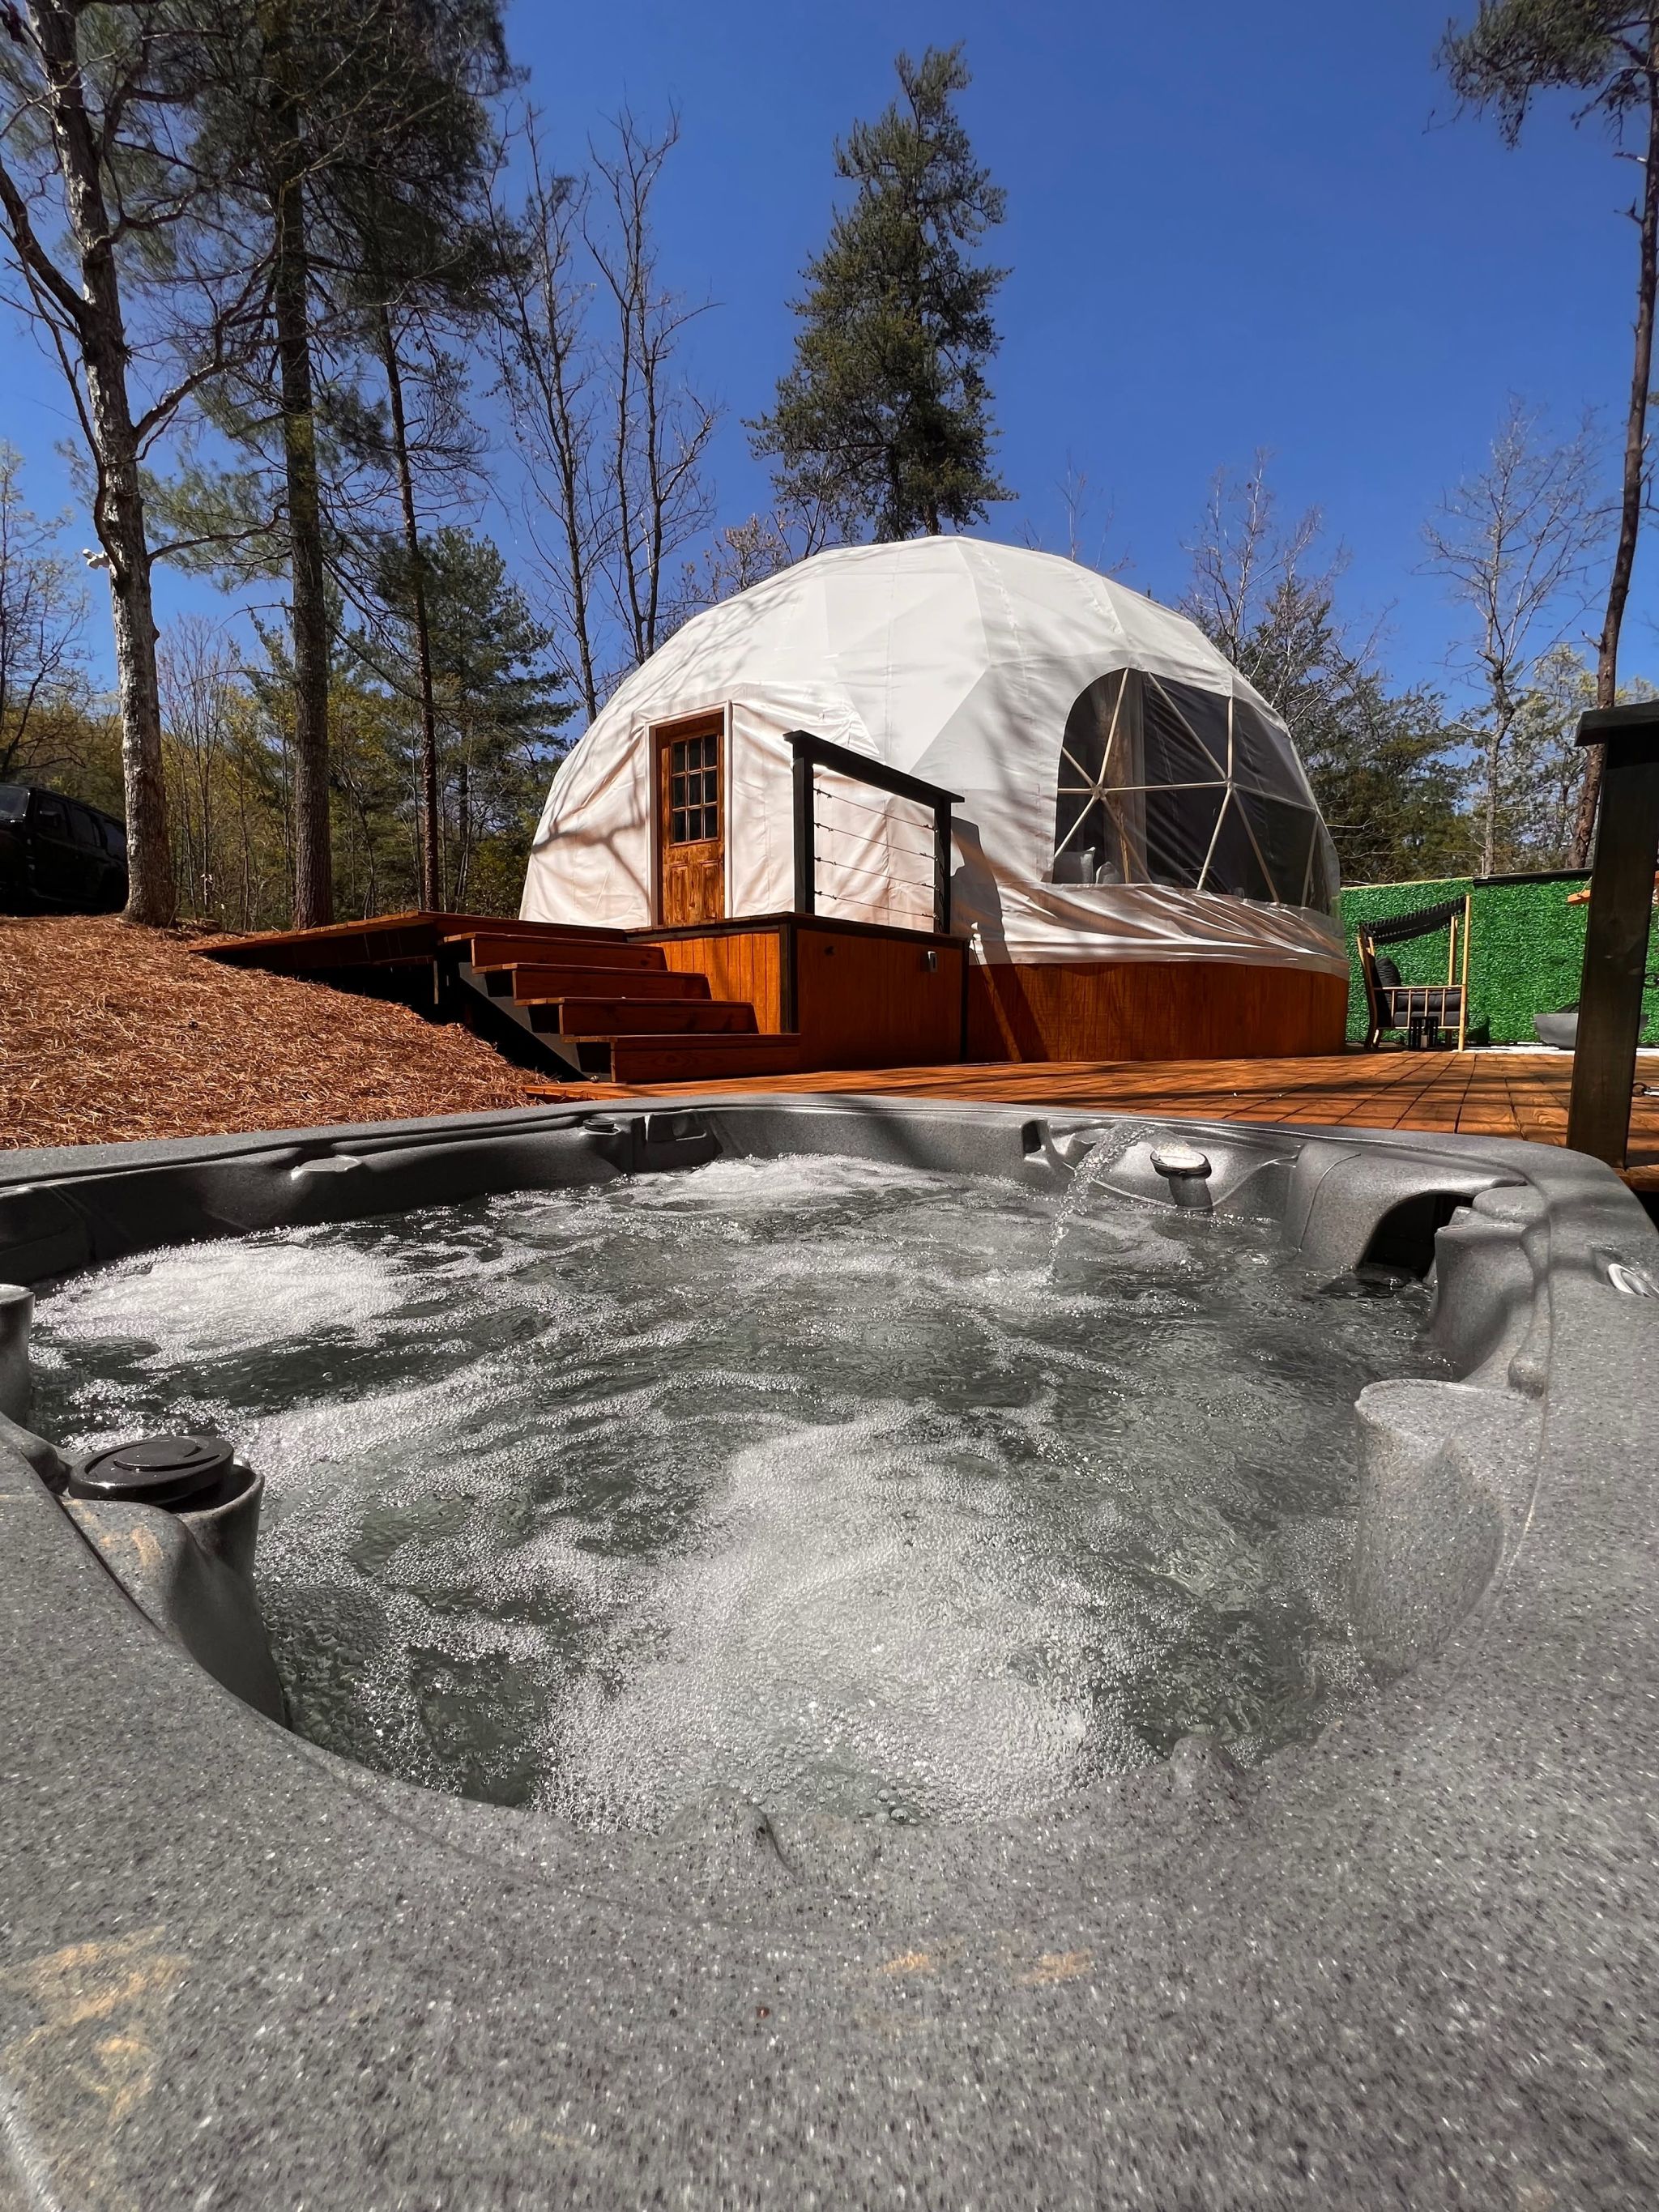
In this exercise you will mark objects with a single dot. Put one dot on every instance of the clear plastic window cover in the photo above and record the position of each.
(1163, 783)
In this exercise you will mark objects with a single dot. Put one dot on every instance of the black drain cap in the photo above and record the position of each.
(173, 1471)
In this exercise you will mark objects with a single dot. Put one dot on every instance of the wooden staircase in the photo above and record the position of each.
(609, 1007)
(580, 1003)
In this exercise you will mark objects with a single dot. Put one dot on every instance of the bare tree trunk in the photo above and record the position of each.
(1630, 517)
(246, 852)
(568, 442)
(210, 872)
(464, 820)
(313, 883)
(577, 539)
(544, 379)
(656, 499)
(660, 430)
(622, 457)
(432, 885)
(150, 891)
(118, 506)
(1504, 713)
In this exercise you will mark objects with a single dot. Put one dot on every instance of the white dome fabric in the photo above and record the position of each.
(967, 663)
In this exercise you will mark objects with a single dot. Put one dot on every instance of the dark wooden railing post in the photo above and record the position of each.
(942, 868)
(805, 838)
(813, 752)
(1616, 941)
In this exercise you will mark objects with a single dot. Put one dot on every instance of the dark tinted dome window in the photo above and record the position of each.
(1162, 783)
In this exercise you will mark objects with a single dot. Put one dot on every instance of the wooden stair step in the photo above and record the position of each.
(344, 945)
(538, 986)
(599, 1018)
(506, 948)
(533, 932)
(694, 1059)
(335, 944)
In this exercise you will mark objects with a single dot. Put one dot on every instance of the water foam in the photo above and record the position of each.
(205, 1299)
(838, 1484)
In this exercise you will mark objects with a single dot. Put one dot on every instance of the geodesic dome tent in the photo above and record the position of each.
(1124, 794)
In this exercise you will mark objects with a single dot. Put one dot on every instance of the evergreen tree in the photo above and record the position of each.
(427, 256)
(1383, 771)
(1544, 781)
(1380, 762)
(498, 706)
(328, 127)
(885, 420)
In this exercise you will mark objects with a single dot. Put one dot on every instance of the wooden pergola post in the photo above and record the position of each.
(1616, 942)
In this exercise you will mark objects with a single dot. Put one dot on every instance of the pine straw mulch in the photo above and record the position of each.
(109, 1033)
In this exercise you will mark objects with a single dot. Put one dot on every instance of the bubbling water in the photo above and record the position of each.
(837, 1485)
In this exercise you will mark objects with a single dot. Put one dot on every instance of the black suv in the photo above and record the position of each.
(58, 856)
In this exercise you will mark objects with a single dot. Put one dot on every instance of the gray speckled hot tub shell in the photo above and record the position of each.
(1413, 1964)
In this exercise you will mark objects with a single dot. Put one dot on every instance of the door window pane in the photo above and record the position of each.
(694, 790)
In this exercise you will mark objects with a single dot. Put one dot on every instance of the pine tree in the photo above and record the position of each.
(319, 116)
(498, 708)
(1379, 760)
(885, 420)
(426, 256)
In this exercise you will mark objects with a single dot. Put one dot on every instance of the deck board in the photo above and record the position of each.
(1486, 1094)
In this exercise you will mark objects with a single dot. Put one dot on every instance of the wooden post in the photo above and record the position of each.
(805, 840)
(942, 868)
(1616, 941)
(1463, 995)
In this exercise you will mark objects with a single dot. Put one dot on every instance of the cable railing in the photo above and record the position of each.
(815, 753)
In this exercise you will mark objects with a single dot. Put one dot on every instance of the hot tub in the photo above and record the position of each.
(1034, 1933)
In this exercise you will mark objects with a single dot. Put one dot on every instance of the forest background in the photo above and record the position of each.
(1341, 373)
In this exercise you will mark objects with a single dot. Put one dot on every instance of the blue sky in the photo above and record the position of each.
(1228, 228)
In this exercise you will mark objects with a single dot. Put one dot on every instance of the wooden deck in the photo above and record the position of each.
(1487, 1094)
(753, 997)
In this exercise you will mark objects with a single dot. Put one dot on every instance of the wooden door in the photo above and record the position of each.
(692, 821)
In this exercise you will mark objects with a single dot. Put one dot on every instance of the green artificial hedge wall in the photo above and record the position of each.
(1526, 950)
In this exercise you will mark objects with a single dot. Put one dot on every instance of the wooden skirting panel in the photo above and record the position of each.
(739, 963)
(1152, 1010)
(863, 1000)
